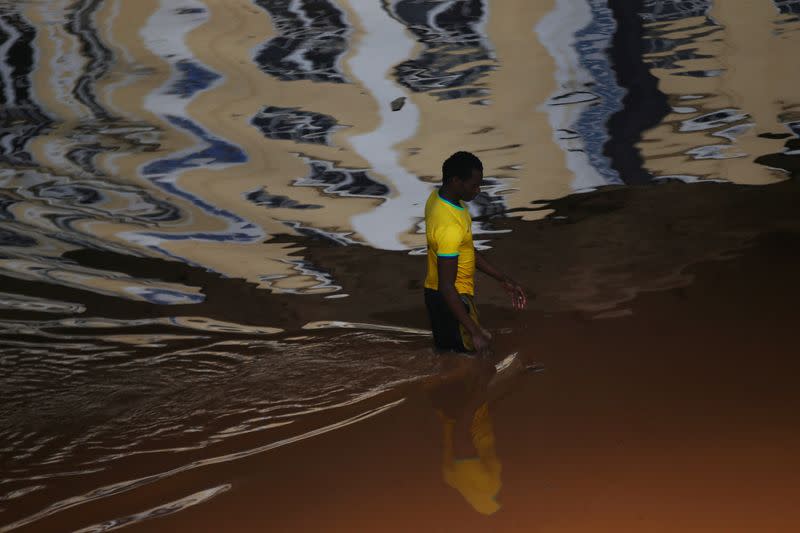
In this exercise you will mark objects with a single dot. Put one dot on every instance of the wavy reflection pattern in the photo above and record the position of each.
(294, 124)
(574, 94)
(312, 38)
(668, 49)
(81, 192)
(168, 397)
(80, 23)
(787, 7)
(577, 34)
(21, 118)
(175, 19)
(46, 212)
(591, 43)
(788, 23)
(702, 53)
(456, 53)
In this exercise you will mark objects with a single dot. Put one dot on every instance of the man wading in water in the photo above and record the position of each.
(452, 258)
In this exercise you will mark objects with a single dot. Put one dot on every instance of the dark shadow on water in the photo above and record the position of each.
(644, 106)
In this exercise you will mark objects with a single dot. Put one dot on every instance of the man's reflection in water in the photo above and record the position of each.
(461, 397)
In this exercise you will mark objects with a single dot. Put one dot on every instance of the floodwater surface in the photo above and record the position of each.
(212, 246)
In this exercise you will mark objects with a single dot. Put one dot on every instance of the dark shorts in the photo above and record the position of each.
(448, 333)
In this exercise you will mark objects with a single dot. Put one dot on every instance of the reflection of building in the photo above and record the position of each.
(54, 193)
(105, 169)
(586, 94)
(664, 10)
(591, 43)
(456, 53)
(312, 37)
(787, 7)
(81, 20)
(214, 99)
(295, 124)
(21, 117)
(518, 129)
(138, 146)
(308, 107)
(731, 79)
(143, 127)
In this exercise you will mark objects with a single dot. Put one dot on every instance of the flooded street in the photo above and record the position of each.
(212, 251)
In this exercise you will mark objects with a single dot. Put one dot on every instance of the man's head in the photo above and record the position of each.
(462, 173)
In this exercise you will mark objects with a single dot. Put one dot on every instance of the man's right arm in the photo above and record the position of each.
(447, 267)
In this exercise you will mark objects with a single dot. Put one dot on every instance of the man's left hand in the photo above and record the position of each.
(519, 300)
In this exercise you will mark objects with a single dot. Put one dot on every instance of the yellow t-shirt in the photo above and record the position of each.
(448, 229)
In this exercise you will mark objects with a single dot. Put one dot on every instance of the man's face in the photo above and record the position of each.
(472, 185)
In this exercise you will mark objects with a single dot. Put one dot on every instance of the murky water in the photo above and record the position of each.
(209, 208)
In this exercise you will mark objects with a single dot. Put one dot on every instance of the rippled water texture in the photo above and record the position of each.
(211, 213)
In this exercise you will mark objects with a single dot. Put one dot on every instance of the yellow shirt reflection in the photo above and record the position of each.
(477, 478)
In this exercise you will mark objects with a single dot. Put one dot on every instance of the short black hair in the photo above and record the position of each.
(460, 164)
